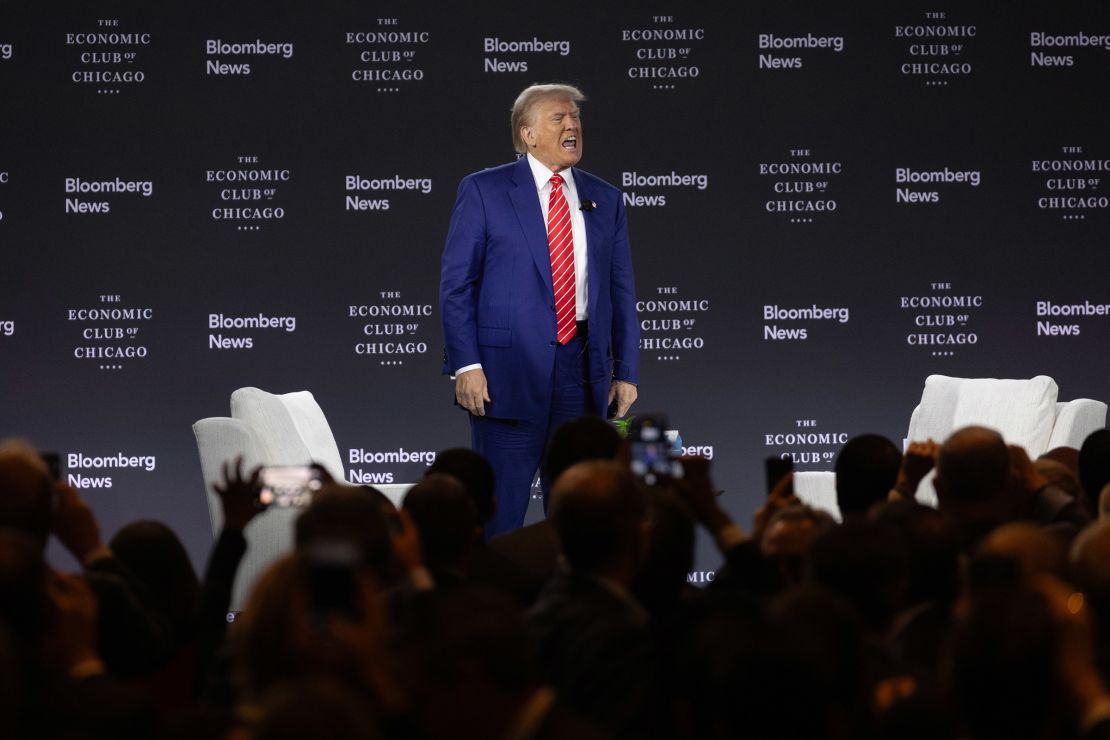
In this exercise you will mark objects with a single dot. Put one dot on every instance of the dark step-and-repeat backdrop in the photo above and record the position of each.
(827, 201)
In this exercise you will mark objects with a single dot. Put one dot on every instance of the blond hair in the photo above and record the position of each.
(527, 101)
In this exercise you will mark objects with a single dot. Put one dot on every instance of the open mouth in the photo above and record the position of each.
(570, 143)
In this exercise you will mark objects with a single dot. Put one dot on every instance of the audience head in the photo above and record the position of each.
(934, 553)
(1094, 466)
(1061, 476)
(585, 438)
(24, 602)
(269, 628)
(788, 535)
(156, 557)
(444, 514)
(973, 465)
(790, 530)
(600, 516)
(310, 615)
(379, 498)
(474, 472)
(472, 660)
(731, 678)
(348, 514)
(670, 556)
(1103, 503)
(1033, 550)
(1090, 570)
(314, 709)
(867, 563)
(1066, 456)
(26, 490)
(1004, 664)
(866, 470)
(821, 634)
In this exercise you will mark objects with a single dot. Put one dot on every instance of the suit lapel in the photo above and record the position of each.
(527, 206)
(595, 244)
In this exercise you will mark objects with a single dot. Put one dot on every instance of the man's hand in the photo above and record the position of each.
(919, 459)
(74, 524)
(471, 391)
(696, 488)
(781, 497)
(625, 394)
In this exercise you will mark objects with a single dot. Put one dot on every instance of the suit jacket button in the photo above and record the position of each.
(553, 344)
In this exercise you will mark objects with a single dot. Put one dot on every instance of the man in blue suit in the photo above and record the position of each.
(524, 362)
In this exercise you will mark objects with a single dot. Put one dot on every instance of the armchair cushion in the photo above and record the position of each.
(932, 419)
(1075, 420)
(315, 431)
(273, 424)
(1023, 411)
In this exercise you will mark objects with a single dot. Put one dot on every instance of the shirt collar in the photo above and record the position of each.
(542, 175)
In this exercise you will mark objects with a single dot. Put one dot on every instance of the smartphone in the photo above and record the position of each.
(288, 485)
(776, 469)
(652, 452)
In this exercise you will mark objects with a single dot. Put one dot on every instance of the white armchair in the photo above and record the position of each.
(1025, 412)
(267, 429)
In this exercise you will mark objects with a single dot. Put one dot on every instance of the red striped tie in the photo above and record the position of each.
(561, 242)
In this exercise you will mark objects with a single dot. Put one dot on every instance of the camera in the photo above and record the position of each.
(653, 453)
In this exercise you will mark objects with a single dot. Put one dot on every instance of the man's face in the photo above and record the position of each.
(555, 135)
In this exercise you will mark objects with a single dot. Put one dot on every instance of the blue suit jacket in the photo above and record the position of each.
(496, 298)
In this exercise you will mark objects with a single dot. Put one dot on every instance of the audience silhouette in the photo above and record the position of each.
(985, 617)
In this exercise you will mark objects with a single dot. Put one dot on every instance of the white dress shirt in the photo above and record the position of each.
(542, 176)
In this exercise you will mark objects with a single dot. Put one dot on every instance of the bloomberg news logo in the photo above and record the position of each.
(653, 183)
(92, 471)
(1065, 319)
(788, 52)
(807, 314)
(518, 51)
(376, 460)
(1052, 47)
